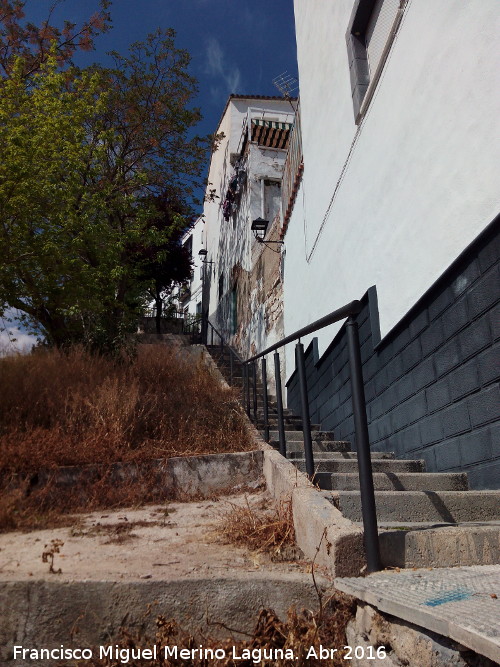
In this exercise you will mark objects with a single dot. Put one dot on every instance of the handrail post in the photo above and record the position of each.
(304, 400)
(363, 449)
(230, 366)
(254, 389)
(247, 388)
(211, 335)
(279, 404)
(264, 397)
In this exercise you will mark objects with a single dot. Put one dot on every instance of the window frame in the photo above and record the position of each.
(362, 85)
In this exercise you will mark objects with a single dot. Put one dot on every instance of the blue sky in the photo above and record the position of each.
(237, 46)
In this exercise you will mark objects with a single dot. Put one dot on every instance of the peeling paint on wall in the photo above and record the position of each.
(246, 291)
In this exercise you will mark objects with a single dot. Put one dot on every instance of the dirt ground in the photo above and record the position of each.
(163, 542)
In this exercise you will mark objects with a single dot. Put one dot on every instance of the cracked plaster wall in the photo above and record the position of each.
(252, 270)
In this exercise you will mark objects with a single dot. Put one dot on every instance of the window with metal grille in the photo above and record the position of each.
(369, 34)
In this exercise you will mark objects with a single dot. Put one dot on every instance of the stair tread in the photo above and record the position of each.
(292, 435)
(390, 481)
(430, 525)
(347, 456)
(401, 506)
(351, 465)
(403, 491)
(482, 494)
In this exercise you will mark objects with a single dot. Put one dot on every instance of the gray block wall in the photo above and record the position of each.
(431, 385)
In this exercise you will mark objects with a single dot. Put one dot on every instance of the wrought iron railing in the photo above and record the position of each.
(167, 313)
(211, 336)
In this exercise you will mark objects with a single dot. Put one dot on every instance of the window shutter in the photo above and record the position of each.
(378, 30)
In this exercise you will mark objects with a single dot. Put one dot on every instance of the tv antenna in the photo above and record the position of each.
(286, 84)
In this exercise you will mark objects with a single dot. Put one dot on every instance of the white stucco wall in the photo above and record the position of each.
(198, 235)
(230, 243)
(421, 180)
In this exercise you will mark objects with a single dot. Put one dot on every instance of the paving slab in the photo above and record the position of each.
(461, 603)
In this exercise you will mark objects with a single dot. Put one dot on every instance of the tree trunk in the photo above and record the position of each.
(159, 309)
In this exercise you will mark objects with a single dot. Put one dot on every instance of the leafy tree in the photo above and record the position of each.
(85, 156)
(169, 263)
(53, 239)
(22, 39)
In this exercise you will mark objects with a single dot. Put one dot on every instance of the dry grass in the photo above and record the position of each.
(300, 631)
(267, 530)
(73, 408)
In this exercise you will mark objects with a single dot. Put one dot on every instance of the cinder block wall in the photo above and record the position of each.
(431, 385)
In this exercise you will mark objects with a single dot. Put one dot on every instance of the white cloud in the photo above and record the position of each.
(218, 67)
(13, 341)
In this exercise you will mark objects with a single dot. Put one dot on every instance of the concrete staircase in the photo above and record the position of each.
(425, 519)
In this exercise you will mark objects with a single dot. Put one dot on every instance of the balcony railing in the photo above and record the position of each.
(292, 171)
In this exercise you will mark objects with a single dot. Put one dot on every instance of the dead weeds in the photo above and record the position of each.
(262, 529)
(301, 631)
(71, 408)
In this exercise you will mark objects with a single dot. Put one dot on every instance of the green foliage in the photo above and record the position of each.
(86, 156)
(54, 240)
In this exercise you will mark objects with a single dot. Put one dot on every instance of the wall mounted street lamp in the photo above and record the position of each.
(202, 254)
(259, 229)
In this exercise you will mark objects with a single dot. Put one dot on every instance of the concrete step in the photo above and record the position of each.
(288, 419)
(339, 453)
(272, 412)
(291, 423)
(389, 481)
(292, 435)
(439, 506)
(295, 448)
(445, 545)
(272, 415)
(351, 465)
(226, 370)
(337, 450)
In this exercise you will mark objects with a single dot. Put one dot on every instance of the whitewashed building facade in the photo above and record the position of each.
(385, 189)
(243, 286)
(397, 206)
(190, 295)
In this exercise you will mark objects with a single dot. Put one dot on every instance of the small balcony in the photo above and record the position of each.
(292, 171)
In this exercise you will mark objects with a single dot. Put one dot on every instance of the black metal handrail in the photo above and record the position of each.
(222, 340)
(352, 308)
(192, 325)
(207, 333)
(358, 404)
